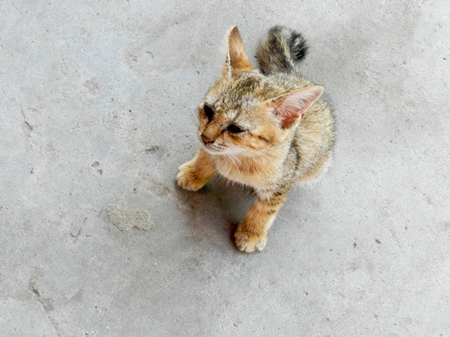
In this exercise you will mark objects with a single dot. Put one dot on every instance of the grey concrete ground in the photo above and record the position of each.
(97, 101)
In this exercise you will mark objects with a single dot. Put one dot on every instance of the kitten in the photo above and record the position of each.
(265, 129)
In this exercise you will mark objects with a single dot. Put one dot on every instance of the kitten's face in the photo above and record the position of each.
(244, 113)
(235, 118)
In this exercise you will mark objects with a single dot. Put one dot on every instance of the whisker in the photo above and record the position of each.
(229, 157)
(193, 115)
(234, 160)
(238, 160)
(256, 153)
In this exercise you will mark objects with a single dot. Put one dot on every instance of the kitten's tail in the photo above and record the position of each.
(280, 50)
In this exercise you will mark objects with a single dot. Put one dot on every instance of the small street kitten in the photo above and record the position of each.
(266, 129)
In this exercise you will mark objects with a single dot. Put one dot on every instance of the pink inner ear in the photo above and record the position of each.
(292, 106)
(287, 117)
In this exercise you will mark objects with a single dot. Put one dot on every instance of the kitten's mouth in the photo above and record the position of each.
(215, 148)
(212, 147)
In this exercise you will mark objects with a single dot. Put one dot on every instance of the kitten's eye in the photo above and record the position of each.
(233, 128)
(209, 112)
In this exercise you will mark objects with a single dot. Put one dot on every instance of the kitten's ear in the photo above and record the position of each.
(236, 57)
(290, 107)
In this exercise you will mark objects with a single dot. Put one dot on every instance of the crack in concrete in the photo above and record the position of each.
(28, 126)
(45, 302)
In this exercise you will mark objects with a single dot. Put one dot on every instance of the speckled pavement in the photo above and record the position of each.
(98, 102)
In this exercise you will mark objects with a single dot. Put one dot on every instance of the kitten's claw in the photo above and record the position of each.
(188, 178)
(249, 242)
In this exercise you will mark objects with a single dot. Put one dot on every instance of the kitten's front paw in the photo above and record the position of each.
(248, 242)
(189, 177)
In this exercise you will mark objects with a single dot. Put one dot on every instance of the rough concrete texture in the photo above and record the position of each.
(98, 101)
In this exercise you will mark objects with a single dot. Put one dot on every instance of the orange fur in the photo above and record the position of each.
(264, 131)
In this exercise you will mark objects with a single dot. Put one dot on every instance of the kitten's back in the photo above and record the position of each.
(279, 55)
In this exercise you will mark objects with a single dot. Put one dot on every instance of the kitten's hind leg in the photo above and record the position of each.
(251, 234)
(194, 174)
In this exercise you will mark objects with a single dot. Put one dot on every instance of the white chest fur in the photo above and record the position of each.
(260, 176)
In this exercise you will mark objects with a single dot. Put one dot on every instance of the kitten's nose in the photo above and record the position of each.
(206, 139)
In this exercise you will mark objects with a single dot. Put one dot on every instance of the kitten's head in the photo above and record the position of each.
(244, 112)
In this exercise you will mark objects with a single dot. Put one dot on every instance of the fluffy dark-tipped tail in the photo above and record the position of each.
(280, 50)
